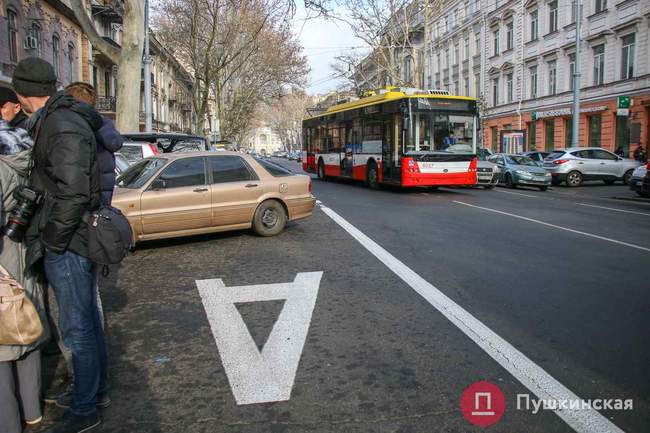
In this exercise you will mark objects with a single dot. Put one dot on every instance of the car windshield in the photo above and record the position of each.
(273, 168)
(520, 160)
(139, 173)
(553, 156)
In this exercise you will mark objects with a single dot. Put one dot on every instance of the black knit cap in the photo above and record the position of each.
(34, 77)
(7, 95)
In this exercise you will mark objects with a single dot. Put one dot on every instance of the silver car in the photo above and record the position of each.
(577, 164)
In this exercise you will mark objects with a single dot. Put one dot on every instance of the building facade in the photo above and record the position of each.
(263, 140)
(41, 28)
(530, 58)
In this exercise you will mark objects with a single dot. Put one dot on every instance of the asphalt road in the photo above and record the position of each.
(561, 276)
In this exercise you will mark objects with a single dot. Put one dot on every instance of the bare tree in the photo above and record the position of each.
(284, 117)
(128, 58)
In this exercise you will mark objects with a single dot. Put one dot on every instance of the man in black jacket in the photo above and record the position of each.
(65, 173)
(10, 109)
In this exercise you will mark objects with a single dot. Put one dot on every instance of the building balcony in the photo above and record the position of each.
(110, 10)
(105, 104)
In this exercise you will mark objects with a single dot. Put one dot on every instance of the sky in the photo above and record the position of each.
(322, 41)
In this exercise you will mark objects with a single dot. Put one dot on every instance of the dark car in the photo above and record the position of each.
(170, 142)
(646, 182)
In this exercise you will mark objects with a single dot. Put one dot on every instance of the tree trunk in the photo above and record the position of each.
(129, 68)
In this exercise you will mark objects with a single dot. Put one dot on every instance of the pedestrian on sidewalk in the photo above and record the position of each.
(620, 152)
(65, 173)
(640, 154)
(10, 109)
(20, 366)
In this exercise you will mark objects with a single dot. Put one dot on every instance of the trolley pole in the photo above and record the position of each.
(575, 132)
(148, 115)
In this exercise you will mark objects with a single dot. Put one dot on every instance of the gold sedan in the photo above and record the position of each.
(181, 194)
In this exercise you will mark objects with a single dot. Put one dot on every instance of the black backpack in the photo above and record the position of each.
(109, 235)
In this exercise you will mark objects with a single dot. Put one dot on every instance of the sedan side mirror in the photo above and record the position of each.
(158, 184)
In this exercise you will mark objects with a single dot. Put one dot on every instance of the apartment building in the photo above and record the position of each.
(530, 56)
(42, 28)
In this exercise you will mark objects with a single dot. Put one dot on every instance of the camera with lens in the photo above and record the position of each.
(27, 201)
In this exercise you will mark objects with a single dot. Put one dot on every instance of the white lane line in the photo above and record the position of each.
(532, 376)
(591, 235)
(614, 209)
(516, 193)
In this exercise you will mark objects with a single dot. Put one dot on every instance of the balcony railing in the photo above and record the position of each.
(105, 103)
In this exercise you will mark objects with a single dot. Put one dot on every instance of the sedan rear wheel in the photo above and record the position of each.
(269, 219)
(574, 178)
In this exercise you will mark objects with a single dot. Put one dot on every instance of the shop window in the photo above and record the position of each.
(532, 135)
(623, 133)
(549, 131)
(568, 131)
(595, 127)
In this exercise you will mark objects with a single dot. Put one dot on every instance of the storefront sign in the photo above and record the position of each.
(623, 102)
(565, 112)
(623, 112)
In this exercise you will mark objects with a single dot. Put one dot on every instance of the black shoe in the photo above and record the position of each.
(65, 400)
(53, 397)
(71, 423)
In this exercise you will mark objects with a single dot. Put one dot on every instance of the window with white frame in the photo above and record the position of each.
(495, 91)
(56, 47)
(552, 16)
(534, 25)
(599, 64)
(456, 53)
(600, 6)
(509, 90)
(477, 85)
(574, 5)
(466, 86)
(467, 48)
(572, 70)
(477, 42)
(552, 77)
(627, 56)
(510, 35)
(533, 81)
(495, 42)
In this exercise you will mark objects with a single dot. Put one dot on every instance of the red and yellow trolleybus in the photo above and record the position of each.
(396, 136)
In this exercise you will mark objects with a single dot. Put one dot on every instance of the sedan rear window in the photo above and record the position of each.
(274, 169)
(139, 173)
(553, 156)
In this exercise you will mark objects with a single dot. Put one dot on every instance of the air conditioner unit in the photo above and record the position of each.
(31, 43)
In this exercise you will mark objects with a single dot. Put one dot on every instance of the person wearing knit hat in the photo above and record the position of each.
(34, 76)
(10, 109)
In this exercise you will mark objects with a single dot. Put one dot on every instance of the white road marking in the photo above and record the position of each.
(614, 209)
(591, 235)
(532, 376)
(516, 193)
(267, 376)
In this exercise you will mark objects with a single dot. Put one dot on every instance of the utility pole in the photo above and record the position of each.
(426, 55)
(576, 80)
(147, 72)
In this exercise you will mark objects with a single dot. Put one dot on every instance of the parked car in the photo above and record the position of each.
(486, 171)
(636, 181)
(134, 152)
(646, 181)
(170, 142)
(180, 194)
(577, 164)
(536, 156)
(520, 170)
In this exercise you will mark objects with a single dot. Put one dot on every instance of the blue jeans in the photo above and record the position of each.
(73, 279)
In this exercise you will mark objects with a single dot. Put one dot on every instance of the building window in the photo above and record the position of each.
(477, 42)
(623, 133)
(534, 26)
(573, 12)
(56, 46)
(509, 35)
(599, 64)
(448, 58)
(627, 57)
(509, 87)
(95, 76)
(568, 131)
(466, 85)
(36, 41)
(495, 92)
(477, 85)
(456, 88)
(532, 133)
(408, 69)
(552, 16)
(467, 49)
(595, 123)
(552, 77)
(12, 34)
(533, 82)
(601, 5)
(549, 131)
(572, 70)
(495, 37)
(456, 54)
(71, 55)
(107, 82)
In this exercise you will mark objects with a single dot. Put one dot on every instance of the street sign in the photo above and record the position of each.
(623, 102)
(623, 112)
(266, 375)
(533, 116)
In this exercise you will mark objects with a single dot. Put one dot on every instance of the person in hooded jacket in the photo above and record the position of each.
(20, 366)
(65, 173)
(108, 140)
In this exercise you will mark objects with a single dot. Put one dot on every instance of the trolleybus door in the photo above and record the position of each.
(389, 170)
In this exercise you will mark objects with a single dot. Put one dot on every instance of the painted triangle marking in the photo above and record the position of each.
(266, 376)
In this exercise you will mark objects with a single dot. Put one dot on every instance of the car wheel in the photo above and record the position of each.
(371, 176)
(609, 182)
(489, 186)
(627, 176)
(509, 182)
(574, 178)
(543, 188)
(321, 170)
(269, 219)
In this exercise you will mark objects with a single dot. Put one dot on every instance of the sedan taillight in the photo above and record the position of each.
(560, 161)
(153, 148)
